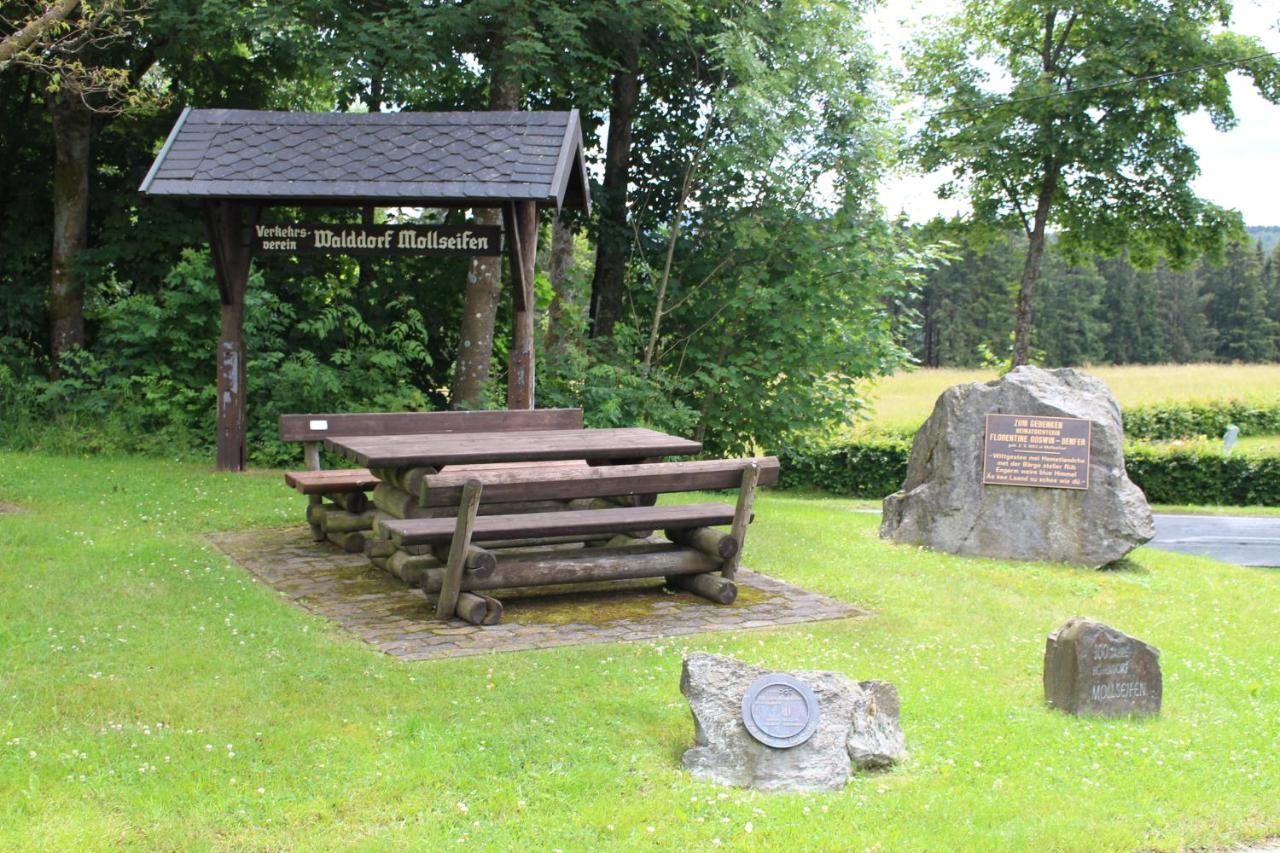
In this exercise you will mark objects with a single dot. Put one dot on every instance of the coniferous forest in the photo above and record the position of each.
(1096, 310)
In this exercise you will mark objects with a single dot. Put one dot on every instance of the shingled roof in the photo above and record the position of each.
(384, 158)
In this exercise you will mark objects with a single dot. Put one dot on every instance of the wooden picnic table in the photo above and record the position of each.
(440, 450)
(546, 490)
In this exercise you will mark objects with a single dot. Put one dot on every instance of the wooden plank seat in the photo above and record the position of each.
(590, 523)
(333, 481)
(568, 482)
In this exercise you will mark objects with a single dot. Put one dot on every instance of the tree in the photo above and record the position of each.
(1238, 305)
(1077, 131)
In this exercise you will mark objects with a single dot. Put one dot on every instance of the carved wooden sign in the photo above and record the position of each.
(1035, 450)
(321, 239)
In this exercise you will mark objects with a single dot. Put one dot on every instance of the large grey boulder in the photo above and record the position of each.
(857, 726)
(944, 505)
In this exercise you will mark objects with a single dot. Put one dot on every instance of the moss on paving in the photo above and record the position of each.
(153, 695)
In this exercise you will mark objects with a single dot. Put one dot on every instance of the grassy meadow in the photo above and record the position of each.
(901, 402)
(153, 695)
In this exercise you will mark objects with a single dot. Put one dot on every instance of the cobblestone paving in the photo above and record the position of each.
(378, 608)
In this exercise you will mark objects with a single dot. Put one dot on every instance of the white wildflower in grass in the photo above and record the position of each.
(462, 807)
(747, 827)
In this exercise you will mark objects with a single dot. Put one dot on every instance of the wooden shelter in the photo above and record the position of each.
(237, 162)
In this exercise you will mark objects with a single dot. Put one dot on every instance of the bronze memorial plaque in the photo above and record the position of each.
(340, 239)
(780, 710)
(1035, 450)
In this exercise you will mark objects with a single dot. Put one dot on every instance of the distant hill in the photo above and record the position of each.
(1268, 234)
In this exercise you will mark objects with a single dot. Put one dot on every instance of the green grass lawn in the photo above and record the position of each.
(153, 695)
(902, 402)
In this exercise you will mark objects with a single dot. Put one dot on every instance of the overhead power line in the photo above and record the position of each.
(1128, 81)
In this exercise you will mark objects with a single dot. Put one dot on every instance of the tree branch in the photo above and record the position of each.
(36, 30)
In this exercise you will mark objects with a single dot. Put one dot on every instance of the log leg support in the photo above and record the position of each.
(742, 515)
(709, 586)
(447, 604)
(315, 517)
(478, 609)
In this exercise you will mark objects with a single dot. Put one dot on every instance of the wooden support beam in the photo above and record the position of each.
(520, 367)
(379, 548)
(311, 455)
(589, 565)
(352, 543)
(477, 561)
(229, 224)
(340, 521)
(515, 256)
(451, 583)
(741, 516)
(479, 609)
(708, 540)
(709, 586)
(356, 502)
(315, 516)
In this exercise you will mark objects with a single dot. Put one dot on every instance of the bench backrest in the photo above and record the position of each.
(319, 427)
(529, 483)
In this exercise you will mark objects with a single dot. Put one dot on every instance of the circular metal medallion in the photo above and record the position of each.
(780, 711)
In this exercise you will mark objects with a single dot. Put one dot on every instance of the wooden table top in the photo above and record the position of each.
(440, 449)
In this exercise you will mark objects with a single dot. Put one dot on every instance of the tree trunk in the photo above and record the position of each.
(607, 283)
(1031, 269)
(72, 133)
(559, 265)
(484, 275)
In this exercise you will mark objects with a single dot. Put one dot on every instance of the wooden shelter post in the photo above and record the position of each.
(230, 240)
(520, 366)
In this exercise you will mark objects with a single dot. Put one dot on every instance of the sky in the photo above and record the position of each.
(1239, 169)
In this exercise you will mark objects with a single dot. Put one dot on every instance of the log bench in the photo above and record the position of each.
(462, 552)
(347, 518)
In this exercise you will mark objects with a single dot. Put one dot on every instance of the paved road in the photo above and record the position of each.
(1246, 541)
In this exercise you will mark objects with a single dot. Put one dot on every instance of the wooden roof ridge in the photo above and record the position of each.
(480, 158)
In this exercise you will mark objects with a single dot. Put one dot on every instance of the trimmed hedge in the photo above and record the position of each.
(1200, 474)
(1195, 473)
(1171, 421)
(869, 468)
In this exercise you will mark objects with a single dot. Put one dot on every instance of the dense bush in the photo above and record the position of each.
(1193, 473)
(148, 385)
(1170, 421)
(869, 468)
